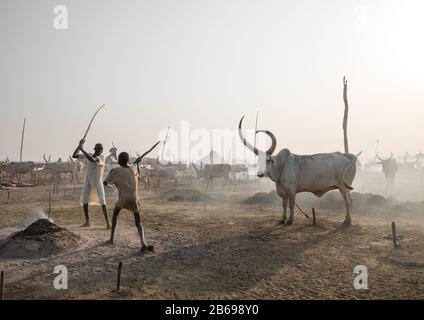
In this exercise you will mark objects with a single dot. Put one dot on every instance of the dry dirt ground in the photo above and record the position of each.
(226, 250)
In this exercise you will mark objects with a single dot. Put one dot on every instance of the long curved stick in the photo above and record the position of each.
(137, 161)
(147, 152)
(91, 121)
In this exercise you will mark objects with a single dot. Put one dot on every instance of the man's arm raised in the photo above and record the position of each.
(85, 153)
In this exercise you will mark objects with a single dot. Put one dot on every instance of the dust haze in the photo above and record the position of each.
(269, 149)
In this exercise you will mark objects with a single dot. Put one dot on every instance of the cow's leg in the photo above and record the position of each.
(348, 200)
(285, 205)
(114, 221)
(140, 230)
(292, 199)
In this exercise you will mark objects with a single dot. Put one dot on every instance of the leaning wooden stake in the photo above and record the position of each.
(346, 111)
(395, 239)
(164, 143)
(50, 204)
(2, 285)
(22, 141)
(314, 221)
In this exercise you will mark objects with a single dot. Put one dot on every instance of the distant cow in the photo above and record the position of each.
(56, 169)
(150, 161)
(241, 169)
(165, 172)
(211, 171)
(13, 169)
(390, 169)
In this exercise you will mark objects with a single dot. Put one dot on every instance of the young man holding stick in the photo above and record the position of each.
(125, 178)
(93, 191)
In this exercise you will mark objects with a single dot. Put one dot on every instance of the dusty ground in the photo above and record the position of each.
(229, 250)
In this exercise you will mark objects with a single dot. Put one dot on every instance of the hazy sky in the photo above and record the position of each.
(157, 63)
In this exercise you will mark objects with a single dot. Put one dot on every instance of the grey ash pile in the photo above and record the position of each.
(42, 238)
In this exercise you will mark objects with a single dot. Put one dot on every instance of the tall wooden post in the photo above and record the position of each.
(50, 205)
(314, 221)
(346, 112)
(22, 141)
(164, 143)
(256, 129)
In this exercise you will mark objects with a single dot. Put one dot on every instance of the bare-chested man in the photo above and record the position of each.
(125, 179)
(93, 191)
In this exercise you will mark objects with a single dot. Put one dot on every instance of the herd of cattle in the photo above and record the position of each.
(152, 171)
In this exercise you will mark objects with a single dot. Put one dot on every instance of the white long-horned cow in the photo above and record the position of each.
(211, 171)
(317, 173)
(390, 168)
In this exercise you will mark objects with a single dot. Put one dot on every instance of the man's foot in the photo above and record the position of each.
(289, 222)
(282, 221)
(109, 242)
(85, 225)
(147, 248)
(108, 227)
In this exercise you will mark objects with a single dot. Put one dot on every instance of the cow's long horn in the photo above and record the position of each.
(44, 157)
(358, 154)
(247, 144)
(378, 157)
(273, 139)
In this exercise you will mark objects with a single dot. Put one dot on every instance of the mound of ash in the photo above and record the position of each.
(271, 198)
(42, 238)
(362, 202)
(187, 195)
(376, 200)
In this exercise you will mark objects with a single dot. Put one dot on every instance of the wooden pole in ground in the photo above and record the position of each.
(2, 285)
(8, 197)
(314, 221)
(164, 143)
(22, 141)
(256, 129)
(345, 116)
(50, 204)
(118, 280)
(395, 239)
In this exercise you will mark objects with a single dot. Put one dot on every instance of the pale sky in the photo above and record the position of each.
(157, 63)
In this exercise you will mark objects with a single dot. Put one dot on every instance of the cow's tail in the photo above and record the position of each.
(351, 164)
